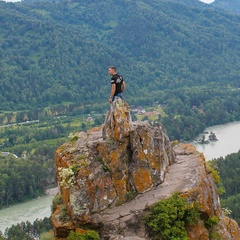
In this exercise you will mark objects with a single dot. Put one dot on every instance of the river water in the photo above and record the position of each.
(28, 211)
(229, 142)
(228, 136)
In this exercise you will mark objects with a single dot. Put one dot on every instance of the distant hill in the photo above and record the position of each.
(55, 53)
(228, 5)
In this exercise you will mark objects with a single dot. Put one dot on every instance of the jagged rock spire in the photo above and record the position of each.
(109, 174)
(118, 121)
(113, 163)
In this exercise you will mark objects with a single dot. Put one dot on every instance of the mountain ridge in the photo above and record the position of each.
(156, 42)
(231, 6)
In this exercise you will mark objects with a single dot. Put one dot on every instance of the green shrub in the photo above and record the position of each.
(215, 236)
(75, 168)
(73, 137)
(167, 218)
(210, 169)
(191, 214)
(220, 190)
(82, 156)
(57, 200)
(212, 221)
(88, 235)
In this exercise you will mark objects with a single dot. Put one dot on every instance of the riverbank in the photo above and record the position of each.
(48, 192)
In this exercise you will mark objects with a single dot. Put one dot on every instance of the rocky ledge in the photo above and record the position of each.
(109, 175)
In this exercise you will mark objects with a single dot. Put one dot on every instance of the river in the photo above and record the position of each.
(229, 142)
(28, 211)
(228, 136)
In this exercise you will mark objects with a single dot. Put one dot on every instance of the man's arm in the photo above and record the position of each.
(123, 86)
(113, 89)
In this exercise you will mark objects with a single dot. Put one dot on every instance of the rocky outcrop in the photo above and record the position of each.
(187, 176)
(110, 174)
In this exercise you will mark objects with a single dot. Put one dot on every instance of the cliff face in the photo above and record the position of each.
(110, 174)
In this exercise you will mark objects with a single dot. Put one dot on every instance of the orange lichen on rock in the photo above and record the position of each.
(65, 195)
(198, 231)
(189, 148)
(95, 129)
(61, 229)
(142, 179)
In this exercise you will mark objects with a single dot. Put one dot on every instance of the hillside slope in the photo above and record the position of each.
(59, 52)
(232, 6)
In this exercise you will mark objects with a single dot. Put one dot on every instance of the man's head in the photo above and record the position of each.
(112, 70)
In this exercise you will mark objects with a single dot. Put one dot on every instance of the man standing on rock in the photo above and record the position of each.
(117, 83)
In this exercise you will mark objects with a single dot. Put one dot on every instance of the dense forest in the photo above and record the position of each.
(23, 179)
(232, 6)
(229, 171)
(29, 167)
(39, 229)
(56, 54)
